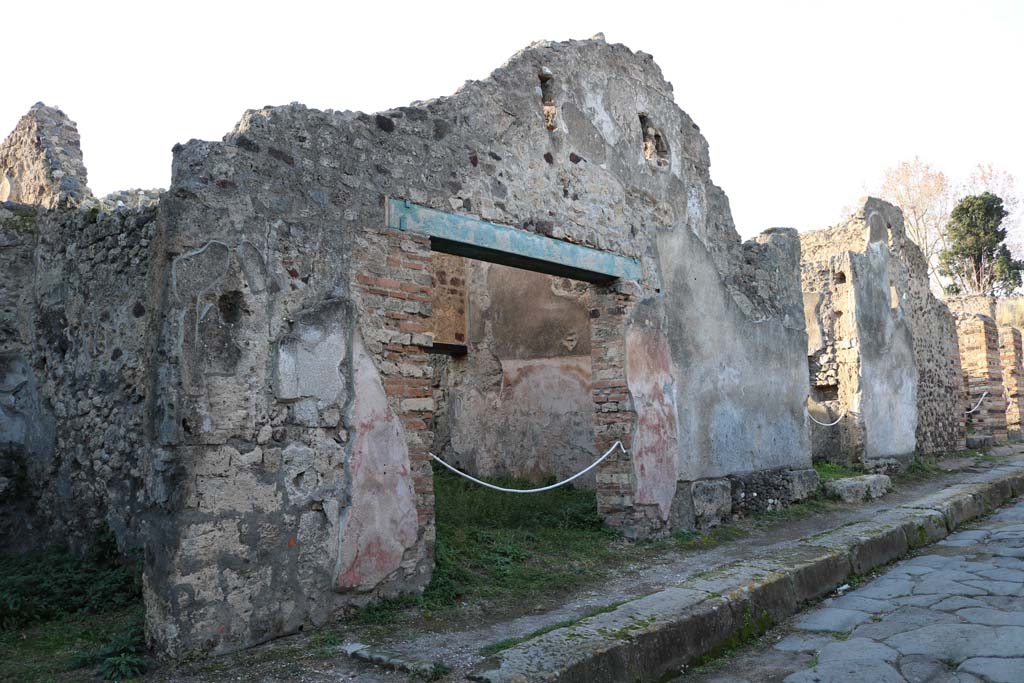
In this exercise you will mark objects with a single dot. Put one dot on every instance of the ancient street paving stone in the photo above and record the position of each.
(832, 619)
(954, 614)
(992, 669)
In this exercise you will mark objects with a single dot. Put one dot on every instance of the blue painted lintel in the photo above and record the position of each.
(468, 236)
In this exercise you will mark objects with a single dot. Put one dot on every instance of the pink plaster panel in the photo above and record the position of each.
(380, 523)
(651, 382)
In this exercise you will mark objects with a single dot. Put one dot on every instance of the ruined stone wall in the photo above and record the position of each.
(861, 350)
(74, 346)
(974, 304)
(73, 358)
(1010, 311)
(295, 326)
(41, 161)
(983, 378)
(940, 420)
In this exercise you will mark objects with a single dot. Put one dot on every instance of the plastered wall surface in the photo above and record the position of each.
(519, 402)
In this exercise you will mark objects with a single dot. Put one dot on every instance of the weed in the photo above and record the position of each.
(692, 540)
(830, 471)
(438, 670)
(122, 666)
(751, 629)
(44, 585)
(60, 612)
(923, 467)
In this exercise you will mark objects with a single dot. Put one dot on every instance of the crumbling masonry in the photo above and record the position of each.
(245, 374)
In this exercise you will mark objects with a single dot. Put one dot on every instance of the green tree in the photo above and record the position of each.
(977, 260)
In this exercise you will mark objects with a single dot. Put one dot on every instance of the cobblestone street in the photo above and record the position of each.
(954, 613)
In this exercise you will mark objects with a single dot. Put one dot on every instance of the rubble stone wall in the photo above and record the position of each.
(940, 390)
(238, 373)
(74, 344)
(861, 348)
(41, 161)
(281, 263)
(73, 360)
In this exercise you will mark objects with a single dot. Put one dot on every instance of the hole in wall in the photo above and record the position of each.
(547, 98)
(825, 392)
(230, 305)
(655, 146)
(840, 278)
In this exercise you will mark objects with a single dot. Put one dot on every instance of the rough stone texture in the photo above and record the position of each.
(277, 234)
(1011, 356)
(940, 419)
(239, 371)
(859, 489)
(771, 489)
(41, 161)
(862, 361)
(73, 362)
(655, 637)
(981, 362)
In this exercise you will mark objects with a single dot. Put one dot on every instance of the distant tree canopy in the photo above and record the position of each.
(976, 258)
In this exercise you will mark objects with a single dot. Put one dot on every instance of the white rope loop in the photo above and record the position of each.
(977, 405)
(617, 444)
(825, 424)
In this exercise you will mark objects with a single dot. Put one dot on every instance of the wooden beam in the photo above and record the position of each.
(471, 237)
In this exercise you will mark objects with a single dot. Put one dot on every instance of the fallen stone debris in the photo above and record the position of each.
(857, 489)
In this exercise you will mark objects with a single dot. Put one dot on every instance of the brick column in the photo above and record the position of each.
(983, 373)
(1011, 353)
(396, 292)
(614, 417)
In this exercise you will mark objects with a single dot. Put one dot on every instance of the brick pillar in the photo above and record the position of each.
(614, 417)
(983, 373)
(1010, 354)
(396, 294)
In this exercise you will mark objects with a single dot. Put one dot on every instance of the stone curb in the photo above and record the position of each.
(654, 636)
(389, 660)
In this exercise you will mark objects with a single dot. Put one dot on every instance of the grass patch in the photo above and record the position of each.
(921, 468)
(830, 471)
(499, 548)
(812, 505)
(705, 540)
(60, 612)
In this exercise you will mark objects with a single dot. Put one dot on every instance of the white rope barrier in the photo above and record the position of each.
(825, 424)
(617, 444)
(978, 405)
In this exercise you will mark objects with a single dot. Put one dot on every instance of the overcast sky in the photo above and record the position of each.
(804, 103)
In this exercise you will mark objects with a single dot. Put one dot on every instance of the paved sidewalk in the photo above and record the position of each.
(954, 613)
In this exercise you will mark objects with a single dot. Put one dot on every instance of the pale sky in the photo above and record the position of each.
(804, 104)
